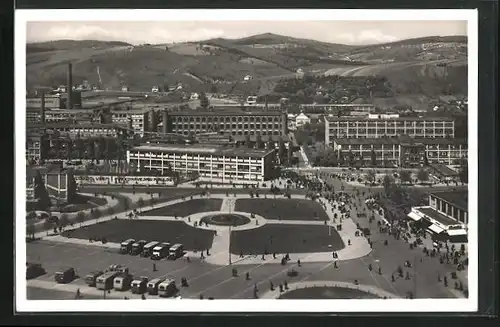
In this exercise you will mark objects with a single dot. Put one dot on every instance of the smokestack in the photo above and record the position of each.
(42, 109)
(165, 118)
(69, 100)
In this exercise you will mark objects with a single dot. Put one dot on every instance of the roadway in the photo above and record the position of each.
(217, 281)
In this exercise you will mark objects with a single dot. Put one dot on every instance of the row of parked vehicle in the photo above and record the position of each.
(118, 277)
(154, 250)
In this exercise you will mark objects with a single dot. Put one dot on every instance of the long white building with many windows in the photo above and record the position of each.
(214, 162)
(352, 127)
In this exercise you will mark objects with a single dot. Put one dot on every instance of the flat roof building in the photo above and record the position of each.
(209, 161)
(232, 123)
(446, 217)
(403, 151)
(355, 127)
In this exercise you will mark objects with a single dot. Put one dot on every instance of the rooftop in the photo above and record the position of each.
(400, 140)
(366, 119)
(207, 149)
(32, 170)
(226, 113)
(439, 217)
(264, 138)
(459, 199)
(444, 170)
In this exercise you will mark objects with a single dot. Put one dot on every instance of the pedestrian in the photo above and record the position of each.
(143, 297)
(263, 258)
(154, 266)
(241, 254)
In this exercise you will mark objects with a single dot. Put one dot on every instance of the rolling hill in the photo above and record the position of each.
(427, 67)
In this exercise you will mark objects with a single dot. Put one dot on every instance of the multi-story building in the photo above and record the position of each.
(70, 115)
(446, 217)
(137, 120)
(83, 130)
(335, 107)
(232, 123)
(33, 146)
(209, 161)
(352, 127)
(403, 151)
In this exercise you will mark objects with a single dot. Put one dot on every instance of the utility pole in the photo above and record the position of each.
(229, 251)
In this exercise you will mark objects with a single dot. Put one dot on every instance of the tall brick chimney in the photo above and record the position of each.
(42, 109)
(69, 90)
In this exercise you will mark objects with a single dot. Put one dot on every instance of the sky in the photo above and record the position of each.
(345, 32)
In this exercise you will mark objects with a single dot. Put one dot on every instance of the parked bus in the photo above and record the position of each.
(153, 285)
(122, 282)
(167, 288)
(91, 278)
(160, 251)
(65, 275)
(176, 251)
(137, 247)
(147, 251)
(140, 285)
(105, 281)
(126, 246)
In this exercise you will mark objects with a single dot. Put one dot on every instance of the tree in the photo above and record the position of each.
(373, 158)
(47, 225)
(96, 214)
(63, 220)
(370, 176)
(140, 202)
(388, 182)
(71, 186)
(110, 211)
(463, 174)
(80, 217)
(126, 204)
(30, 231)
(405, 176)
(41, 192)
(423, 175)
(204, 103)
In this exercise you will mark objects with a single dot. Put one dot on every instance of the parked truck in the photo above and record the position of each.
(126, 246)
(122, 282)
(167, 288)
(160, 251)
(153, 285)
(140, 285)
(147, 251)
(105, 281)
(176, 251)
(137, 247)
(91, 279)
(65, 275)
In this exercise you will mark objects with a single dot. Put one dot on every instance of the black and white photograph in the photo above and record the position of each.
(267, 156)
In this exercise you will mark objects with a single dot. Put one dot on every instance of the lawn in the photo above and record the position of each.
(286, 209)
(285, 239)
(119, 230)
(187, 208)
(327, 293)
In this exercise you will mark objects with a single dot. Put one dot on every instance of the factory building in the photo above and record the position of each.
(222, 163)
(231, 123)
(351, 127)
(403, 151)
(136, 120)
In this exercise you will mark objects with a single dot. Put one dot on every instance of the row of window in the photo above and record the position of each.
(222, 126)
(234, 133)
(400, 124)
(169, 157)
(225, 175)
(227, 119)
